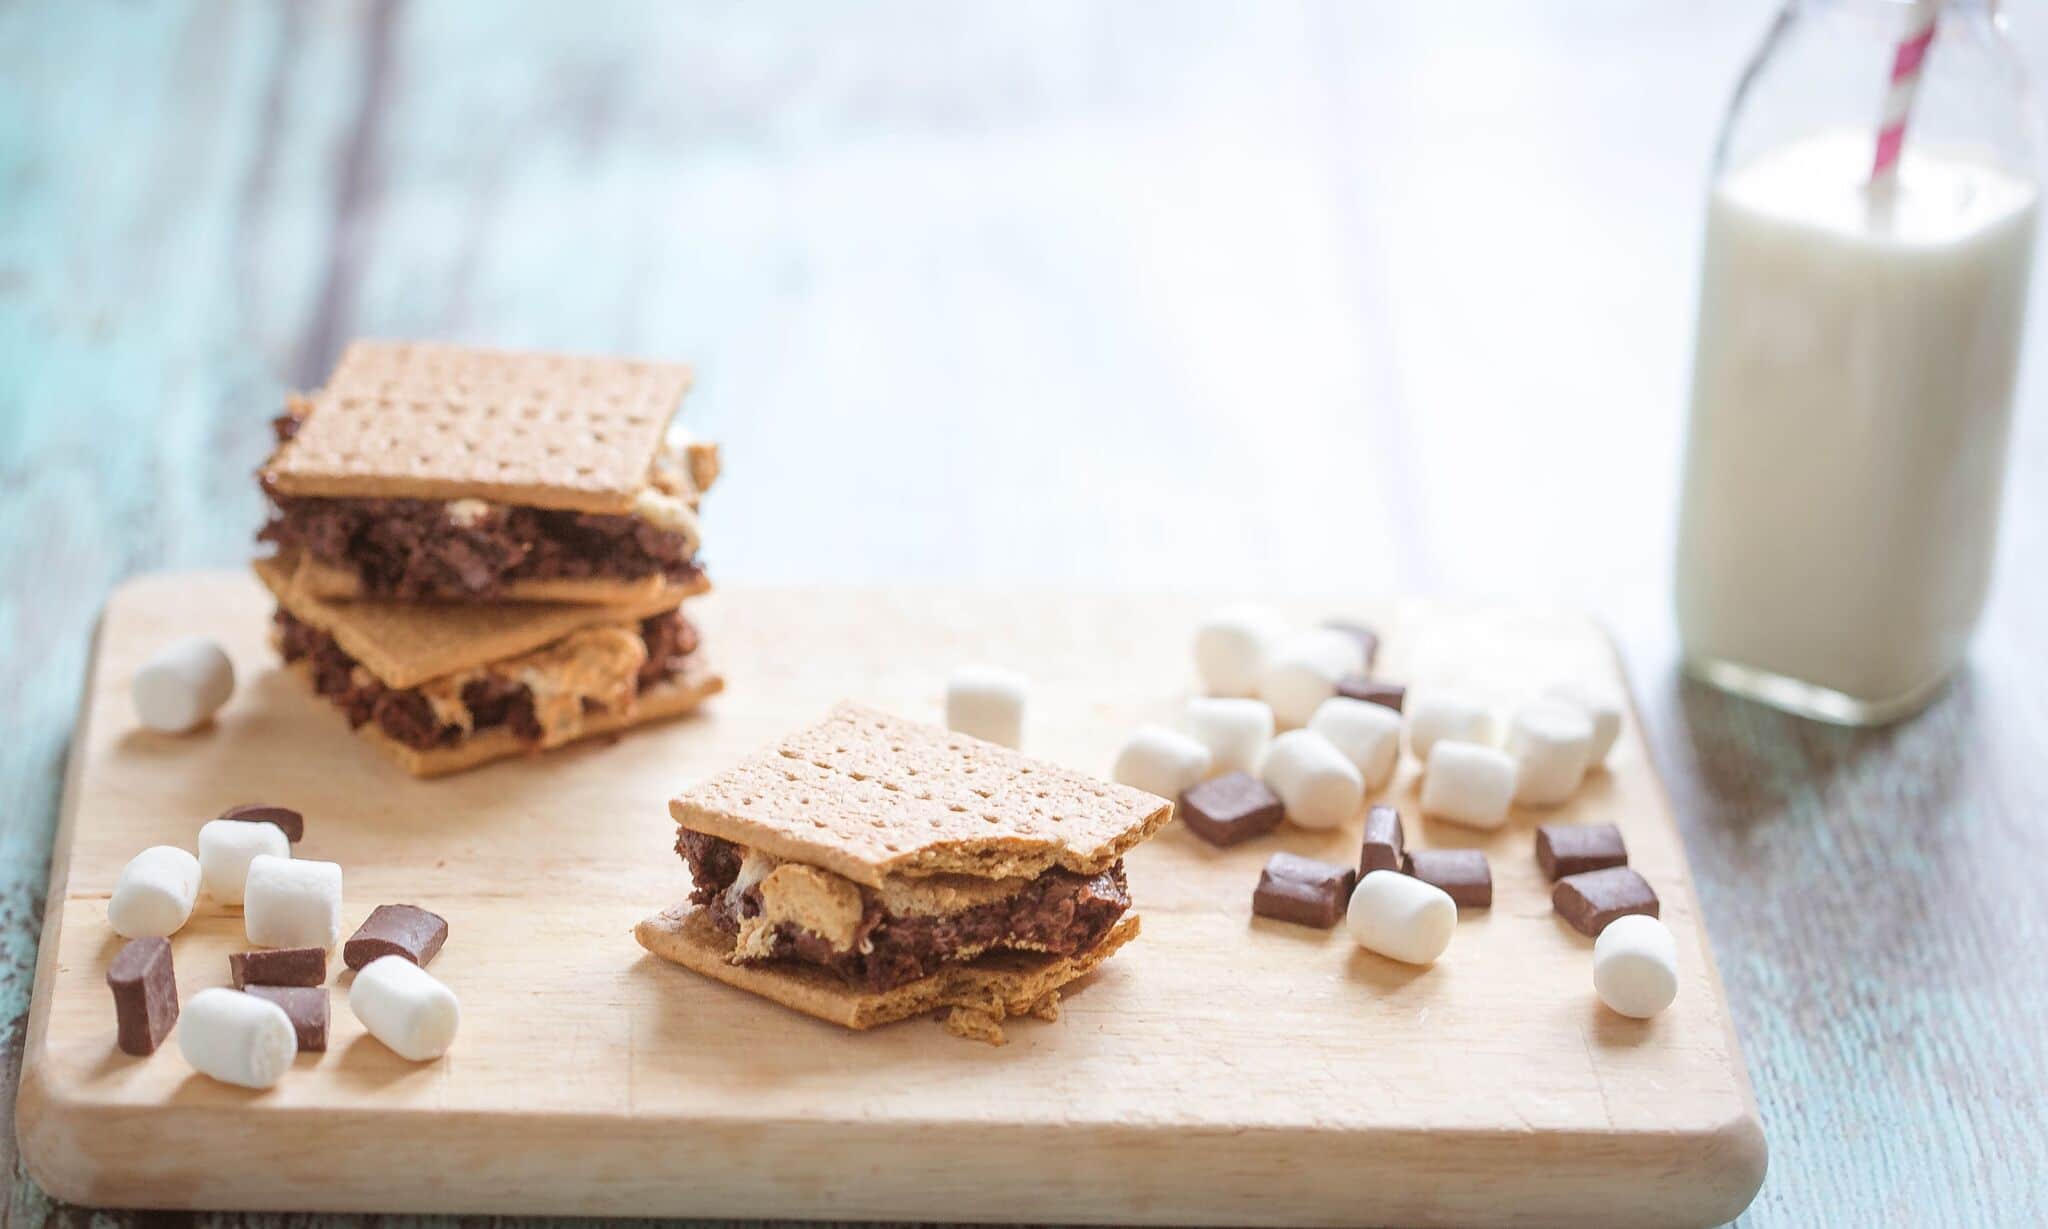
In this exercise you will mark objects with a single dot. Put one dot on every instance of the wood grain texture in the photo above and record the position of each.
(1261, 296)
(1216, 1059)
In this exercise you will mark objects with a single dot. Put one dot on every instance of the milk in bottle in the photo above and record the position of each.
(1852, 391)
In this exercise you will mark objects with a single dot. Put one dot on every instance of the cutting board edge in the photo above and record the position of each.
(76, 1150)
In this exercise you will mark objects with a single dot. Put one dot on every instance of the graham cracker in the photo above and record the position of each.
(868, 795)
(405, 644)
(324, 580)
(998, 984)
(422, 420)
(672, 697)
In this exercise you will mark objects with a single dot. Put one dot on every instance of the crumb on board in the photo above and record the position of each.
(974, 1024)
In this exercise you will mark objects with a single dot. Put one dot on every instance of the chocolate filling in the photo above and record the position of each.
(1060, 912)
(412, 548)
(407, 717)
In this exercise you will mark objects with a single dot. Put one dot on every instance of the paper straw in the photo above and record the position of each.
(1898, 97)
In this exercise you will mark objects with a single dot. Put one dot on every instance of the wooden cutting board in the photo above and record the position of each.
(1220, 1070)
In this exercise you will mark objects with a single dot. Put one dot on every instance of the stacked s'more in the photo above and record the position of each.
(483, 553)
(868, 869)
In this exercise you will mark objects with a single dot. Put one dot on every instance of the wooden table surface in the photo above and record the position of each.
(1065, 293)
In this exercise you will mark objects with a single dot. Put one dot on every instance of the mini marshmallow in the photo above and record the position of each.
(1232, 647)
(183, 685)
(226, 847)
(1401, 917)
(1552, 743)
(1235, 731)
(1161, 761)
(292, 902)
(1369, 735)
(405, 1007)
(154, 894)
(237, 1038)
(1434, 716)
(1635, 966)
(1468, 784)
(1304, 671)
(1317, 785)
(987, 702)
(1601, 706)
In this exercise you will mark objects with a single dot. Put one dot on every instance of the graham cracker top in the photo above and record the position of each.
(422, 420)
(867, 795)
(405, 644)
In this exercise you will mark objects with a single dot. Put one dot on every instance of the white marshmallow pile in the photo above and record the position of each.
(1161, 761)
(987, 702)
(1369, 735)
(154, 893)
(292, 902)
(241, 1039)
(405, 1007)
(1552, 744)
(1304, 671)
(1232, 647)
(227, 846)
(1317, 785)
(1401, 917)
(1236, 732)
(182, 686)
(1602, 708)
(1434, 716)
(237, 1038)
(1468, 784)
(1635, 966)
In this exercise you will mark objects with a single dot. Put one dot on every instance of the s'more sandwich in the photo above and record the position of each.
(449, 473)
(869, 868)
(449, 687)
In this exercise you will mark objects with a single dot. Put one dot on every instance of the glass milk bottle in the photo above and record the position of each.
(1861, 303)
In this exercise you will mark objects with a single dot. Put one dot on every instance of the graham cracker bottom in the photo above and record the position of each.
(673, 697)
(325, 580)
(997, 985)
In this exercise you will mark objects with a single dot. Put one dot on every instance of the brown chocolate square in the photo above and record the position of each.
(1372, 691)
(1463, 874)
(1382, 847)
(1303, 891)
(145, 995)
(1231, 809)
(1574, 849)
(1591, 900)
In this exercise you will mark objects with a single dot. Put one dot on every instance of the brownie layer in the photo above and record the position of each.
(421, 548)
(406, 715)
(1059, 912)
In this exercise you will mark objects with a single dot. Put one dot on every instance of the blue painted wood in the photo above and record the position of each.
(1071, 293)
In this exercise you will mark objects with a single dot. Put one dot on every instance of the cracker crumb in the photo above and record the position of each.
(1047, 1008)
(974, 1024)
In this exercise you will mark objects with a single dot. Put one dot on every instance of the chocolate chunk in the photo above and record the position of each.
(1381, 850)
(396, 930)
(1231, 809)
(307, 1007)
(1462, 873)
(1368, 639)
(293, 823)
(279, 966)
(145, 995)
(1303, 891)
(1574, 849)
(1359, 687)
(1591, 900)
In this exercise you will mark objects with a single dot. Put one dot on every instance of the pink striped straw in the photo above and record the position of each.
(1905, 80)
